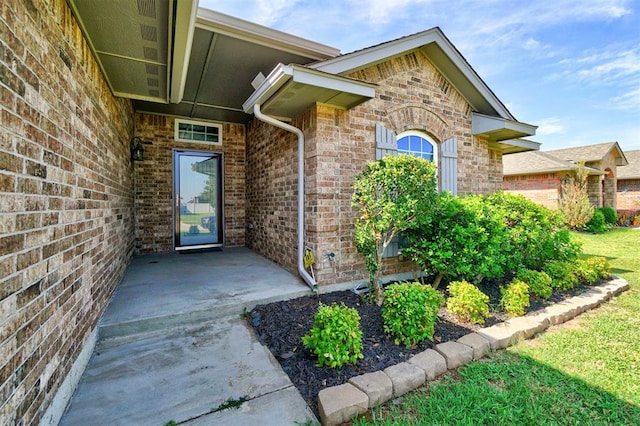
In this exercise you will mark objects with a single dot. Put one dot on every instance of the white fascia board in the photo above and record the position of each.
(357, 60)
(181, 50)
(283, 73)
(482, 124)
(334, 82)
(523, 143)
(248, 31)
(274, 81)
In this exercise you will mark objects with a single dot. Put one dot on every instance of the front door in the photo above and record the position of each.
(197, 192)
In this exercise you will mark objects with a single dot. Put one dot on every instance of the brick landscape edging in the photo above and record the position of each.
(339, 404)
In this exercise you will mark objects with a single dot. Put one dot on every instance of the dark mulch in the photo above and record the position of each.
(281, 325)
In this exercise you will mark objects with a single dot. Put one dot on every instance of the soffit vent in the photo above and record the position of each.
(148, 33)
(147, 8)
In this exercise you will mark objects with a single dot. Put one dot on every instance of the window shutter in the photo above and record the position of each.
(385, 142)
(449, 166)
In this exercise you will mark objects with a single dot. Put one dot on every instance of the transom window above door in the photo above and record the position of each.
(198, 131)
(416, 143)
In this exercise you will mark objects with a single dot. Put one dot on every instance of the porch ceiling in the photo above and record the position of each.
(186, 61)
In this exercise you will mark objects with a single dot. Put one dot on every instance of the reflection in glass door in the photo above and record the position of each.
(198, 199)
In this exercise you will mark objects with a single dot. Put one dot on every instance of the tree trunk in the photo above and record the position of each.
(436, 282)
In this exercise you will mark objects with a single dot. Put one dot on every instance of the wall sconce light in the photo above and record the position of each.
(137, 152)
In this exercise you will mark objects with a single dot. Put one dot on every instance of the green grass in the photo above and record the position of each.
(585, 372)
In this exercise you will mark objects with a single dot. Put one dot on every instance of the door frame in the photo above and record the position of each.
(175, 202)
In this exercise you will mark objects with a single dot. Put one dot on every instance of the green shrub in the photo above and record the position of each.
(515, 298)
(410, 311)
(596, 224)
(590, 271)
(539, 282)
(461, 238)
(610, 215)
(388, 194)
(536, 234)
(336, 337)
(467, 302)
(562, 275)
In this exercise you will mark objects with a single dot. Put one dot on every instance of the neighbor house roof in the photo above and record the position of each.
(632, 170)
(591, 153)
(537, 162)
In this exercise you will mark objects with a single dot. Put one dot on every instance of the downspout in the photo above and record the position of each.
(311, 282)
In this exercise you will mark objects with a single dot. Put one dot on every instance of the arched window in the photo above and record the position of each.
(417, 143)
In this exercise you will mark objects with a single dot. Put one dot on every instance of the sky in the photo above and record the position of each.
(571, 67)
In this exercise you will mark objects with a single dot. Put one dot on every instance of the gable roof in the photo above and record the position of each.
(490, 117)
(632, 170)
(591, 153)
(538, 162)
(442, 54)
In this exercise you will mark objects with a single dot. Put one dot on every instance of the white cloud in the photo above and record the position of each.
(550, 126)
(627, 101)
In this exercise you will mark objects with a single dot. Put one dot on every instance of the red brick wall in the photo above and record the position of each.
(66, 221)
(153, 182)
(628, 195)
(543, 189)
(411, 94)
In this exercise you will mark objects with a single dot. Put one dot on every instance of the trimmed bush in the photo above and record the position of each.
(467, 302)
(610, 215)
(410, 311)
(590, 271)
(461, 238)
(539, 283)
(336, 337)
(515, 298)
(596, 224)
(536, 234)
(562, 275)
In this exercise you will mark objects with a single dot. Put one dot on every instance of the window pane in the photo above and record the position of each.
(403, 144)
(426, 146)
(415, 143)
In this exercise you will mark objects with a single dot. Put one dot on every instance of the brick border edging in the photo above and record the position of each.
(339, 404)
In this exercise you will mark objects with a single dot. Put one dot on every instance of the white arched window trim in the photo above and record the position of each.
(423, 138)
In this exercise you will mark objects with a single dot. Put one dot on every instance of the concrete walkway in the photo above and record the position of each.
(172, 346)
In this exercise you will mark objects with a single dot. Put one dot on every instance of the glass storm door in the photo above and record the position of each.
(197, 199)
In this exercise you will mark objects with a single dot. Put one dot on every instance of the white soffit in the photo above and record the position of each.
(290, 89)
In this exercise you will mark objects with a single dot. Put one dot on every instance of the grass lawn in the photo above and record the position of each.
(586, 371)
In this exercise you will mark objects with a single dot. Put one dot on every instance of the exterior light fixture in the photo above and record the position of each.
(137, 152)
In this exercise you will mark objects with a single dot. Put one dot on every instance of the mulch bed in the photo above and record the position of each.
(281, 325)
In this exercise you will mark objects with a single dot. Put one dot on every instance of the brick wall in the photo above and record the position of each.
(66, 207)
(153, 182)
(411, 95)
(628, 195)
(543, 189)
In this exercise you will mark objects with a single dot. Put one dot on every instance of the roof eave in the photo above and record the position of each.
(440, 51)
(323, 88)
(244, 30)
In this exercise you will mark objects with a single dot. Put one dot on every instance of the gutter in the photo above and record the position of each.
(311, 282)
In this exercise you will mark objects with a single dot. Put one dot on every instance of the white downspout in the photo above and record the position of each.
(311, 282)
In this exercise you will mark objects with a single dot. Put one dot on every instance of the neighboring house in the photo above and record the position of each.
(221, 120)
(628, 198)
(539, 175)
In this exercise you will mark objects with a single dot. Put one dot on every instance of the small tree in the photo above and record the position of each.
(574, 204)
(388, 194)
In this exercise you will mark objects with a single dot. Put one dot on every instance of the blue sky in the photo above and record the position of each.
(572, 67)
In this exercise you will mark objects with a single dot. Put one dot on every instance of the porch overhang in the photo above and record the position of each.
(141, 47)
(503, 133)
(289, 90)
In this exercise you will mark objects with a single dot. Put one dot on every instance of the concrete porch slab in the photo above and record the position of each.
(164, 290)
